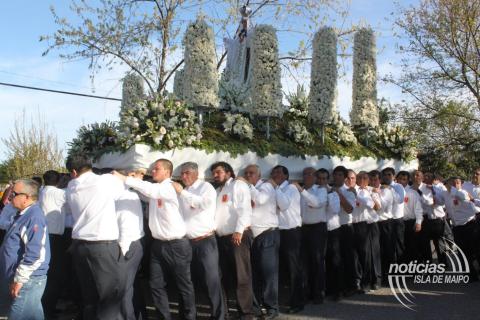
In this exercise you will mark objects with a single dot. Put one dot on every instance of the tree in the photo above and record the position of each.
(32, 149)
(144, 34)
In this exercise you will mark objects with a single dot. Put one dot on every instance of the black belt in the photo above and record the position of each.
(95, 241)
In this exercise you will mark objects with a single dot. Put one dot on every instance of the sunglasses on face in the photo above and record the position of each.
(13, 194)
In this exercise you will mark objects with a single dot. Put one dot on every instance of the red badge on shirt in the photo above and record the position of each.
(405, 199)
(225, 198)
(159, 203)
(455, 202)
(253, 203)
(357, 203)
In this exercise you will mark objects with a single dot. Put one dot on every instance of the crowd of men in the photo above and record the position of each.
(334, 234)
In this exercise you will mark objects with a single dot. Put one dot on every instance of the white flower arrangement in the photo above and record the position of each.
(200, 76)
(266, 87)
(132, 91)
(398, 140)
(93, 139)
(178, 84)
(364, 113)
(342, 132)
(164, 124)
(233, 97)
(238, 125)
(323, 79)
(300, 134)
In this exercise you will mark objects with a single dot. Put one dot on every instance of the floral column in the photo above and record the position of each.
(132, 93)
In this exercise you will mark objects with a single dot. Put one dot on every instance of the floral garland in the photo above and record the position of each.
(132, 91)
(200, 76)
(238, 125)
(398, 140)
(94, 139)
(266, 87)
(178, 84)
(364, 113)
(162, 124)
(323, 79)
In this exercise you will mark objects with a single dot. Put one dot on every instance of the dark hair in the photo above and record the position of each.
(38, 180)
(387, 170)
(350, 171)
(374, 173)
(322, 170)
(284, 170)
(226, 167)
(403, 174)
(341, 169)
(51, 177)
(79, 163)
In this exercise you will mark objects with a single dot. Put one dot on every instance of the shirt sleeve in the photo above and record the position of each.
(333, 203)
(263, 194)
(365, 199)
(283, 198)
(242, 205)
(34, 237)
(114, 185)
(152, 190)
(399, 193)
(417, 209)
(315, 198)
(206, 199)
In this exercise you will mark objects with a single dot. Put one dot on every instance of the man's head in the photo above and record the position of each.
(78, 164)
(137, 173)
(388, 174)
(417, 177)
(456, 182)
(221, 172)
(24, 193)
(339, 176)
(322, 177)
(279, 174)
(189, 173)
(252, 173)
(351, 179)
(403, 177)
(309, 177)
(162, 169)
(374, 176)
(51, 178)
(476, 177)
(429, 177)
(362, 179)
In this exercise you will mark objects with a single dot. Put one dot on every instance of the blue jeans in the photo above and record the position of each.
(28, 304)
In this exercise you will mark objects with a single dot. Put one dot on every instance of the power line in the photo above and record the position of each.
(58, 91)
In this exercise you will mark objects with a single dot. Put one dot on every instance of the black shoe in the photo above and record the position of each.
(293, 310)
(359, 289)
(271, 315)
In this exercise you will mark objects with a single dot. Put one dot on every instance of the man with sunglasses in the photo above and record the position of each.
(24, 256)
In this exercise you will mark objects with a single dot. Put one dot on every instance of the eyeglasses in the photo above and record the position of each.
(13, 194)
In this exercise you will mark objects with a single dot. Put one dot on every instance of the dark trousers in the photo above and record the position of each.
(172, 257)
(363, 253)
(265, 263)
(236, 271)
(132, 261)
(290, 254)
(101, 274)
(423, 242)
(334, 267)
(435, 229)
(387, 245)
(2, 235)
(56, 273)
(72, 285)
(411, 242)
(206, 272)
(398, 230)
(349, 258)
(375, 273)
(465, 238)
(314, 249)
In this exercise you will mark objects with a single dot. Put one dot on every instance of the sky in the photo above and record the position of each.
(22, 23)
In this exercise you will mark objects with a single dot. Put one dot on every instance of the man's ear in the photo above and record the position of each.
(73, 173)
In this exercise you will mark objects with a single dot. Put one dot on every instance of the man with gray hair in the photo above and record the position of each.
(197, 205)
(24, 256)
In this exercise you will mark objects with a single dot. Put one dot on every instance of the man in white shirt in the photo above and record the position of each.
(233, 218)
(290, 220)
(130, 225)
(53, 202)
(197, 205)
(266, 243)
(170, 250)
(313, 205)
(95, 250)
(398, 224)
(473, 188)
(426, 198)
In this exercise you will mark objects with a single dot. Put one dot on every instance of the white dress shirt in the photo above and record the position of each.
(129, 218)
(264, 204)
(413, 206)
(91, 199)
(433, 200)
(399, 200)
(347, 218)
(234, 207)
(7, 215)
(333, 211)
(197, 205)
(313, 205)
(288, 203)
(463, 210)
(164, 217)
(363, 210)
(386, 197)
(474, 191)
(53, 202)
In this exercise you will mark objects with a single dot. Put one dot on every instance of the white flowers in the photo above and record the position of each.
(398, 140)
(364, 113)
(299, 133)
(341, 130)
(237, 124)
(266, 87)
(323, 79)
(199, 82)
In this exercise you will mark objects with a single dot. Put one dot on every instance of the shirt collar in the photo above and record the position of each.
(284, 184)
(20, 213)
(194, 185)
